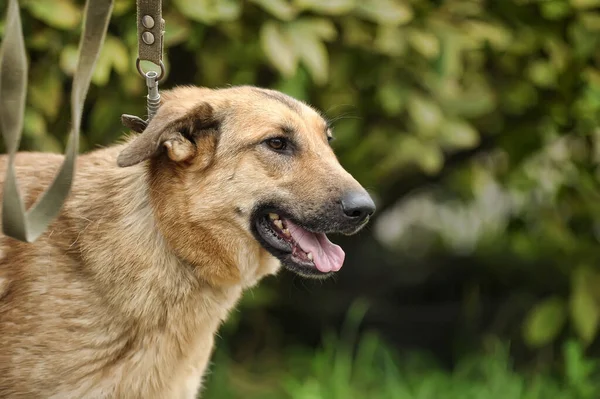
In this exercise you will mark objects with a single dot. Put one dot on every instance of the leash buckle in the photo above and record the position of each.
(152, 78)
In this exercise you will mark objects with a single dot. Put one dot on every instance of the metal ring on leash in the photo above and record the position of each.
(144, 74)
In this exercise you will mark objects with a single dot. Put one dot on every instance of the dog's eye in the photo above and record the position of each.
(277, 144)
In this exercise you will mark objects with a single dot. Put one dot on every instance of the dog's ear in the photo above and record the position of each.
(174, 134)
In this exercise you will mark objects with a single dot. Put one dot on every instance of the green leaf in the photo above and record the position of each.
(390, 40)
(585, 3)
(35, 133)
(577, 367)
(544, 322)
(210, 11)
(48, 143)
(295, 86)
(542, 73)
(193, 9)
(357, 33)
(391, 96)
(118, 54)
(448, 63)
(34, 124)
(426, 114)
(43, 39)
(227, 10)
(281, 9)
(319, 27)
(408, 149)
(519, 97)
(60, 14)
(177, 29)
(329, 7)
(458, 135)
(104, 117)
(425, 43)
(122, 6)
(45, 91)
(133, 87)
(590, 21)
(113, 54)
(431, 159)
(583, 307)
(306, 37)
(311, 50)
(558, 53)
(102, 69)
(582, 42)
(555, 10)
(387, 12)
(68, 60)
(498, 36)
(278, 48)
(480, 99)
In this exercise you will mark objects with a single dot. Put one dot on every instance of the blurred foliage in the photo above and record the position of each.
(475, 124)
(345, 367)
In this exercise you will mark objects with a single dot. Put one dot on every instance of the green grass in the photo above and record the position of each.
(370, 370)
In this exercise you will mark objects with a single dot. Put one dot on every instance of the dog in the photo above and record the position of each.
(159, 237)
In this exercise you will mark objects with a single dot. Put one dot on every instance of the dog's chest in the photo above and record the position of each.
(165, 365)
(167, 361)
(171, 362)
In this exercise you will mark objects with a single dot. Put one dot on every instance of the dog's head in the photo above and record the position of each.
(248, 166)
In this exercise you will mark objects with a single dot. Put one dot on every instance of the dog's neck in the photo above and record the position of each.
(123, 244)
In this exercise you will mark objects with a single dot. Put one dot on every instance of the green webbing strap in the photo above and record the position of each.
(16, 221)
(150, 27)
(150, 31)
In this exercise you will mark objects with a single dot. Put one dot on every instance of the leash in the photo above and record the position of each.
(150, 30)
(18, 223)
(28, 225)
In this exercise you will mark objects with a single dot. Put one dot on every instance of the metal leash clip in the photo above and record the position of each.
(152, 78)
(149, 49)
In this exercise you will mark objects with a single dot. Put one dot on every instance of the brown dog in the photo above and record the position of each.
(122, 296)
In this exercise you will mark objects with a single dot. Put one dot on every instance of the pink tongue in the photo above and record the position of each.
(327, 256)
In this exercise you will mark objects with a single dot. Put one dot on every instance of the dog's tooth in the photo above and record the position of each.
(278, 223)
(310, 256)
(273, 216)
(286, 232)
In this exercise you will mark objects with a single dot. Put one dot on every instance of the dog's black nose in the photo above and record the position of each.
(357, 205)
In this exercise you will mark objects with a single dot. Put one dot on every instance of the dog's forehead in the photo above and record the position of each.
(250, 110)
(257, 108)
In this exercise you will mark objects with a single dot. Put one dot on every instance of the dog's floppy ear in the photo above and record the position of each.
(164, 132)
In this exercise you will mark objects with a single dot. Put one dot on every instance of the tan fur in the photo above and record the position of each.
(121, 298)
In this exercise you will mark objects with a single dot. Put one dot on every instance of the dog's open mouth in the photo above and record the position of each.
(300, 250)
